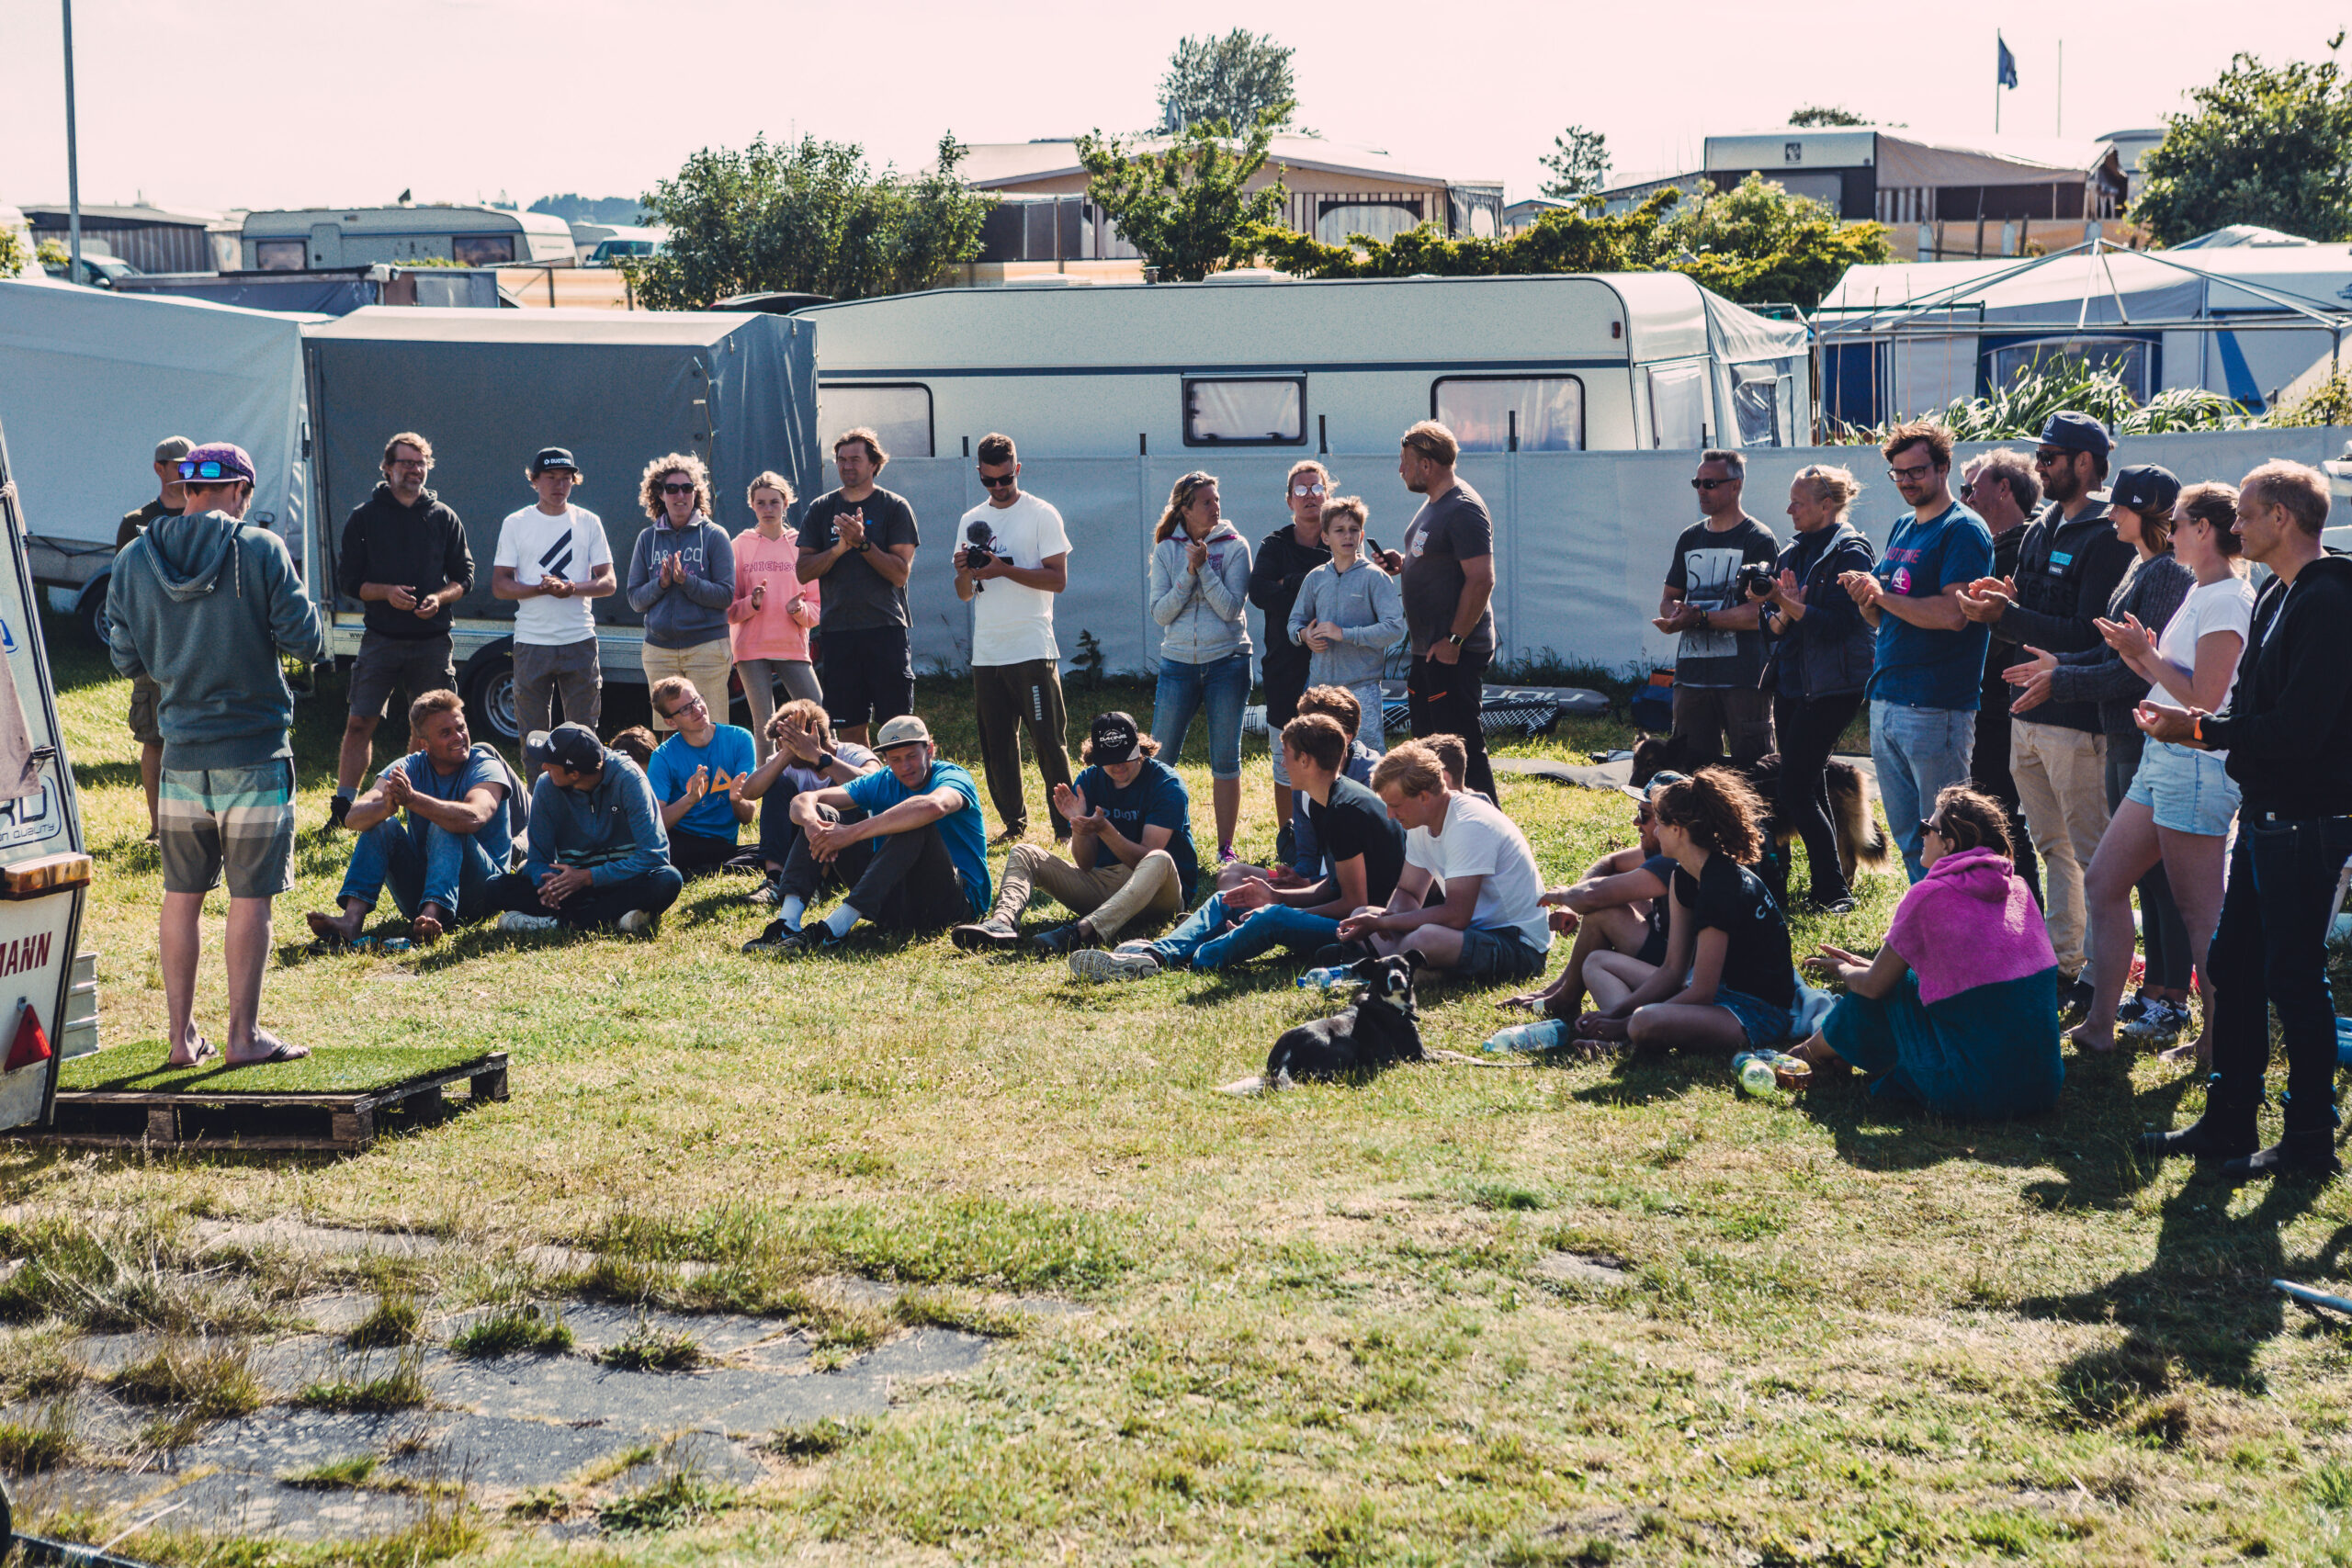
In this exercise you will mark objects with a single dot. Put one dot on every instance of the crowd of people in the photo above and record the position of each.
(2044, 669)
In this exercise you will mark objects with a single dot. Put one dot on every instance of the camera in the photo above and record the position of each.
(979, 546)
(1754, 579)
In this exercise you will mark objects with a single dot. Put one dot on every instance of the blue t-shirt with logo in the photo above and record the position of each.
(1157, 799)
(965, 835)
(481, 767)
(1920, 668)
(728, 751)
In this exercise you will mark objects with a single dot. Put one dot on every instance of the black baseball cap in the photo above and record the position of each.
(2145, 489)
(1114, 739)
(552, 457)
(571, 746)
(2072, 432)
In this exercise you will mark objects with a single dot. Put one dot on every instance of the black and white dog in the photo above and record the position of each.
(1374, 1031)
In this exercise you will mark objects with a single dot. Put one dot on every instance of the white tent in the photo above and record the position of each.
(91, 380)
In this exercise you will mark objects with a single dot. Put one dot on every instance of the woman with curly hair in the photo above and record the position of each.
(1959, 1010)
(682, 579)
(1726, 983)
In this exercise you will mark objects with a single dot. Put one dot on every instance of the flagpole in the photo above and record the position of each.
(2062, 88)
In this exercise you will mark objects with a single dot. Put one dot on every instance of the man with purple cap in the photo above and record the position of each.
(598, 854)
(208, 606)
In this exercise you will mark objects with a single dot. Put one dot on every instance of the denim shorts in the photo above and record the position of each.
(2186, 791)
(1764, 1023)
(1221, 686)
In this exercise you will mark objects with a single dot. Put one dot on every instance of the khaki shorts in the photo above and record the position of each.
(143, 695)
(427, 664)
(706, 664)
(239, 821)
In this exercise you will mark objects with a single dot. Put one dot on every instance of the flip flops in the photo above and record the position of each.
(205, 1052)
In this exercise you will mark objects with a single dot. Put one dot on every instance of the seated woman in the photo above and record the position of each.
(1726, 983)
(1960, 1009)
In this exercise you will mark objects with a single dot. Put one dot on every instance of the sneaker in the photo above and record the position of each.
(2157, 1021)
(1093, 964)
(1009, 836)
(2133, 1011)
(337, 809)
(814, 937)
(1548, 1036)
(772, 936)
(1056, 940)
(992, 936)
(639, 922)
(1842, 904)
(515, 920)
(1224, 855)
(767, 895)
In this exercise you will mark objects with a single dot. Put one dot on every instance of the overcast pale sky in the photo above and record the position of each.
(302, 104)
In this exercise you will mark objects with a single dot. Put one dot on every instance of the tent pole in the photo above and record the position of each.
(72, 160)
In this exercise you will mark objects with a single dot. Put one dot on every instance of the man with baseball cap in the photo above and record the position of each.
(167, 504)
(1130, 850)
(207, 606)
(2067, 569)
(597, 854)
(552, 560)
(907, 839)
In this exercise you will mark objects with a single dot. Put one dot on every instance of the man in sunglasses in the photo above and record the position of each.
(1718, 704)
(169, 502)
(207, 606)
(1012, 557)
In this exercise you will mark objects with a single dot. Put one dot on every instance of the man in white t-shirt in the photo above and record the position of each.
(553, 559)
(1492, 924)
(1012, 556)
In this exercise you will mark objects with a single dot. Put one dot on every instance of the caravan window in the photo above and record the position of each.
(484, 250)
(1754, 404)
(900, 414)
(1679, 407)
(1546, 413)
(1258, 413)
(281, 256)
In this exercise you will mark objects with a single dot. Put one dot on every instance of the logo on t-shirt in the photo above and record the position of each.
(1901, 581)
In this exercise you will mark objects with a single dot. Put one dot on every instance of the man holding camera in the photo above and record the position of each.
(1717, 700)
(1012, 557)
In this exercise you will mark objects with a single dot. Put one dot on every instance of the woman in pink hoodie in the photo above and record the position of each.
(773, 610)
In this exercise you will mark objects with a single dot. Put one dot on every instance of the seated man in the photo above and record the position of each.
(906, 840)
(455, 843)
(1306, 866)
(697, 776)
(597, 855)
(1130, 849)
(802, 756)
(1367, 852)
(1490, 925)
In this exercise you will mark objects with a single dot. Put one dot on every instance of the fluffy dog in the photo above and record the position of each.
(1861, 844)
(1375, 1029)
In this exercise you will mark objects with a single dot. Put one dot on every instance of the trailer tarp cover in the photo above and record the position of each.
(490, 387)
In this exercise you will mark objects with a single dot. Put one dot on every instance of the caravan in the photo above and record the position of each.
(305, 239)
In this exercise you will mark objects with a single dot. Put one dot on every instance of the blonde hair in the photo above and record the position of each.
(648, 487)
(428, 705)
(768, 479)
(1412, 767)
(1179, 496)
(1433, 441)
(1837, 486)
(667, 690)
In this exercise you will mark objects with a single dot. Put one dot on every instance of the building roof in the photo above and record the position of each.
(992, 166)
(41, 212)
(1904, 158)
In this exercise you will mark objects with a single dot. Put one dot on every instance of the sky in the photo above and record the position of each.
(273, 102)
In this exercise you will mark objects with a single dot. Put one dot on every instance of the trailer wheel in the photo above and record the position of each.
(488, 691)
(94, 610)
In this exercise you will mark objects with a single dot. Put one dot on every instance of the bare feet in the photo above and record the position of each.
(1816, 1053)
(1600, 1026)
(2098, 1042)
(2199, 1051)
(426, 927)
(333, 928)
(264, 1047)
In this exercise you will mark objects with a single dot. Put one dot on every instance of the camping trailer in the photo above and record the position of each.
(304, 238)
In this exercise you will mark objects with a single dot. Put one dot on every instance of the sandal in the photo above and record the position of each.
(205, 1052)
(281, 1052)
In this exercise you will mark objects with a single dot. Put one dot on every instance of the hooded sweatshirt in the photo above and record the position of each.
(1204, 616)
(688, 614)
(613, 826)
(2065, 573)
(1275, 577)
(204, 606)
(1365, 604)
(2287, 727)
(420, 546)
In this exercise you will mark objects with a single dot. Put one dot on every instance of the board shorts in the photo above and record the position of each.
(237, 822)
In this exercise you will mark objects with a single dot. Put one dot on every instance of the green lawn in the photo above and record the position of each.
(332, 1068)
(1323, 1327)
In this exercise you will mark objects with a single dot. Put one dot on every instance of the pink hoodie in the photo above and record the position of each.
(1969, 921)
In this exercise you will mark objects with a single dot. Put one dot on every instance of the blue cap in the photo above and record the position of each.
(2145, 489)
(2072, 432)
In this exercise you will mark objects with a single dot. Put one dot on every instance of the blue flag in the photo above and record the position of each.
(2006, 65)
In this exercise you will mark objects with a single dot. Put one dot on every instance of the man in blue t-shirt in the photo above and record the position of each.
(907, 839)
(455, 843)
(1930, 662)
(1130, 851)
(699, 776)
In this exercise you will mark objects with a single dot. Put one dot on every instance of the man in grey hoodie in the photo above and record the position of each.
(206, 606)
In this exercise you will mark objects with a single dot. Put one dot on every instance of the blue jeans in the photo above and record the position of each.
(425, 863)
(2269, 954)
(1222, 686)
(1198, 942)
(1917, 752)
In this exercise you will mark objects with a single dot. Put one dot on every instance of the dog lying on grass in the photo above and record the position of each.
(1861, 844)
(1374, 1031)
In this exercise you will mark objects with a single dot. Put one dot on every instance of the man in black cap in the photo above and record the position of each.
(598, 854)
(169, 498)
(2067, 569)
(552, 560)
(405, 558)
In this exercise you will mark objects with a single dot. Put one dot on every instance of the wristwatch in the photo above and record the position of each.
(826, 759)
(1455, 639)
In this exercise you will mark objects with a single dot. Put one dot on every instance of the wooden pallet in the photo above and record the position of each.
(196, 1121)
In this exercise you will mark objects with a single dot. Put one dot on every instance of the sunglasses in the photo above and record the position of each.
(1307, 490)
(1711, 484)
(1644, 815)
(1927, 826)
(677, 490)
(997, 481)
(1968, 488)
(210, 468)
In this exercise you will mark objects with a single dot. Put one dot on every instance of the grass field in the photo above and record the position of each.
(1331, 1327)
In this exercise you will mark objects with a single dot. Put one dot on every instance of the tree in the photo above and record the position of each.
(2267, 145)
(1578, 162)
(1759, 244)
(1238, 79)
(1568, 239)
(16, 253)
(806, 217)
(1188, 209)
(1825, 114)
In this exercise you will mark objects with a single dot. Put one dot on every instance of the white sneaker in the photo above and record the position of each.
(639, 922)
(1093, 964)
(516, 920)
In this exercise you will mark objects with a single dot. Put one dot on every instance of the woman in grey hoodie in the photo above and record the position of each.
(1200, 596)
(1349, 613)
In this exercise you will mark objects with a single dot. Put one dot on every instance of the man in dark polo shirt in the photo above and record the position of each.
(861, 539)
(143, 690)
(1447, 572)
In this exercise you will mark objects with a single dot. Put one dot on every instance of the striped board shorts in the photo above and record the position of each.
(238, 821)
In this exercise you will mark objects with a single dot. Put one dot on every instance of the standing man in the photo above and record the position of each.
(2287, 733)
(1012, 557)
(861, 539)
(405, 558)
(2000, 488)
(596, 852)
(167, 504)
(1930, 657)
(1448, 576)
(208, 606)
(552, 560)
(1277, 572)
(1718, 701)
(682, 579)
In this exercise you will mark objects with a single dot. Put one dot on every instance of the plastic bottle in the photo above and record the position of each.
(1326, 979)
(1755, 1075)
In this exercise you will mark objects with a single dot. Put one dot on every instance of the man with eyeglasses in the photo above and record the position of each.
(2067, 566)
(1012, 557)
(168, 501)
(1277, 572)
(1929, 667)
(698, 775)
(405, 558)
(1719, 706)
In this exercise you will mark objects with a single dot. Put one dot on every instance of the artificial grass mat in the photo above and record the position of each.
(139, 1067)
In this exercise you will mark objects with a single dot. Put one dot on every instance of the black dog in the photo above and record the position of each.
(1373, 1032)
(1860, 841)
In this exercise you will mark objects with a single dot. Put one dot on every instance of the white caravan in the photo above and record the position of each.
(306, 239)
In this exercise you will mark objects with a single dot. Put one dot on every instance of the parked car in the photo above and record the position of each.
(609, 252)
(97, 272)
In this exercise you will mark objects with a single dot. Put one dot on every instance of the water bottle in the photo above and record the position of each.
(1755, 1075)
(1326, 979)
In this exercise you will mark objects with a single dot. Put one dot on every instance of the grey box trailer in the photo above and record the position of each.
(490, 387)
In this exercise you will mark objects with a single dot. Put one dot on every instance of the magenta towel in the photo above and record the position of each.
(1969, 921)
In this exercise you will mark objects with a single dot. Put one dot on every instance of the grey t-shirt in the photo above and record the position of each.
(853, 597)
(1448, 530)
(1706, 567)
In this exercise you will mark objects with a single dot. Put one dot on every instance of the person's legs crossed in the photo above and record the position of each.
(1151, 888)
(1262, 930)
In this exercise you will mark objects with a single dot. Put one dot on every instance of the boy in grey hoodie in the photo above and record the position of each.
(205, 606)
(1349, 613)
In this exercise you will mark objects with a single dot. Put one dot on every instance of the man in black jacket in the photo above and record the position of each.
(2000, 487)
(2068, 565)
(404, 558)
(1276, 573)
(2286, 726)
(144, 692)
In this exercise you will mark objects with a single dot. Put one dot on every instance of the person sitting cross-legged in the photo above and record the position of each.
(1367, 849)
(698, 774)
(455, 843)
(1130, 849)
(802, 755)
(906, 841)
(597, 855)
